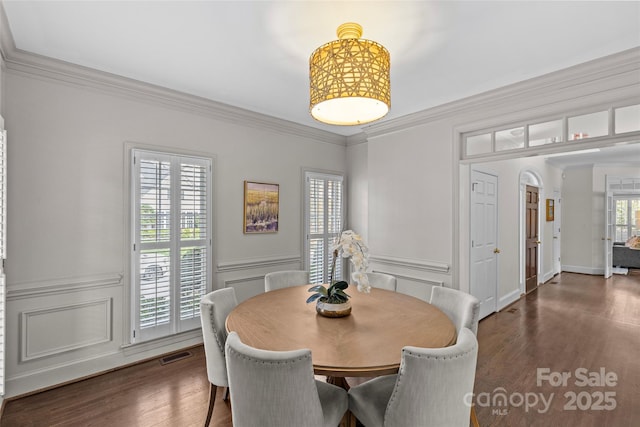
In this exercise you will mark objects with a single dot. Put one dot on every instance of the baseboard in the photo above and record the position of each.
(583, 270)
(55, 376)
(508, 299)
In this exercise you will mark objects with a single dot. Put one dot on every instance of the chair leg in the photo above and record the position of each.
(474, 417)
(212, 401)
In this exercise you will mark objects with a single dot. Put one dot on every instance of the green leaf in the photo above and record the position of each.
(342, 294)
(320, 289)
(340, 285)
(314, 297)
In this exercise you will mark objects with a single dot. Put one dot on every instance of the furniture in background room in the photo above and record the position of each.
(278, 389)
(214, 309)
(285, 279)
(431, 388)
(624, 256)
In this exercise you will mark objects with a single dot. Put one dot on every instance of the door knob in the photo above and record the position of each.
(538, 242)
(496, 251)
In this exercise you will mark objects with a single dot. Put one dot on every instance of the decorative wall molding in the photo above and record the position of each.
(438, 267)
(59, 286)
(531, 92)
(230, 283)
(247, 264)
(26, 63)
(413, 279)
(85, 324)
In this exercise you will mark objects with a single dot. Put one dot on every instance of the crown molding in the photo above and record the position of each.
(22, 62)
(624, 66)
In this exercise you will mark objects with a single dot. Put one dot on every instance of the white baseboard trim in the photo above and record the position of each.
(583, 270)
(52, 376)
(547, 276)
(508, 299)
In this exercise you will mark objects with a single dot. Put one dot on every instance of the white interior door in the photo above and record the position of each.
(557, 207)
(484, 237)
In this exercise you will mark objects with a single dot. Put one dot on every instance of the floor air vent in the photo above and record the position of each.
(512, 310)
(175, 357)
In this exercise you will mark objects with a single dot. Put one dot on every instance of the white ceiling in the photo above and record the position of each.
(254, 54)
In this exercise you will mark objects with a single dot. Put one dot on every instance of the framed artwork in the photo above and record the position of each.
(550, 212)
(261, 207)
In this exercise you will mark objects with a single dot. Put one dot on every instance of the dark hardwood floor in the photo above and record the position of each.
(572, 322)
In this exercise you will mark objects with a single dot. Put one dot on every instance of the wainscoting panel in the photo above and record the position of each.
(51, 331)
(414, 286)
(246, 287)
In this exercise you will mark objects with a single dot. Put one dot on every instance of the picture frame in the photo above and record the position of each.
(550, 209)
(261, 207)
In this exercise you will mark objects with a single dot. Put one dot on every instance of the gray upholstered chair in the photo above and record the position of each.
(462, 308)
(285, 279)
(382, 281)
(214, 309)
(432, 388)
(278, 389)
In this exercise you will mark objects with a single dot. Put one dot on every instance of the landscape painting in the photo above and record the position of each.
(261, 207)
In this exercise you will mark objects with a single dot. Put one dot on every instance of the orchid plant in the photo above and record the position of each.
(352, 247)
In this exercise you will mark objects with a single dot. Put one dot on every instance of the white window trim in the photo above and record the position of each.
(130, 323)
(306, 175)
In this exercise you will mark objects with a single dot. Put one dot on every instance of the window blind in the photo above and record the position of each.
(172, 242)
(324, 220)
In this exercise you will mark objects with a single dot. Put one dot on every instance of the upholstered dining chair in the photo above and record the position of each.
(462, 308)
(432, 388)
(214, 309)
(382, 281)
(285, 279)
(278, 389)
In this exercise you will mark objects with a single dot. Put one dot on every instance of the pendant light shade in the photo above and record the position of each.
(349, 79)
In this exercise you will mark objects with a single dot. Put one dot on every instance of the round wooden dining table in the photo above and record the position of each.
(366, 343)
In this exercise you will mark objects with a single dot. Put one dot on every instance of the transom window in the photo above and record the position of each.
(570, 129)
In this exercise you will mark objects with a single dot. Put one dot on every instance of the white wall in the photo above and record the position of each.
(358, 189)
(418, 220)
(584, 209)
(68, 287)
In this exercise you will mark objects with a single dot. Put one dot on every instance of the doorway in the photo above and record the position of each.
(532, 239)
(484, 238)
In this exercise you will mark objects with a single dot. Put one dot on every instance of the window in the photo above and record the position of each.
(627, 218)
(324, 221)
(171, 261)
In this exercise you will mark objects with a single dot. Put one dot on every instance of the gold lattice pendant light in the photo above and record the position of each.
(349, 79)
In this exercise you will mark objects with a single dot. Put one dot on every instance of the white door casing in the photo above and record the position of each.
(557, 219)
(484, 236)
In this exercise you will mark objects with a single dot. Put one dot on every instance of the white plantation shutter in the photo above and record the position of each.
(172, 242)
(3, 246)
(324, 220)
